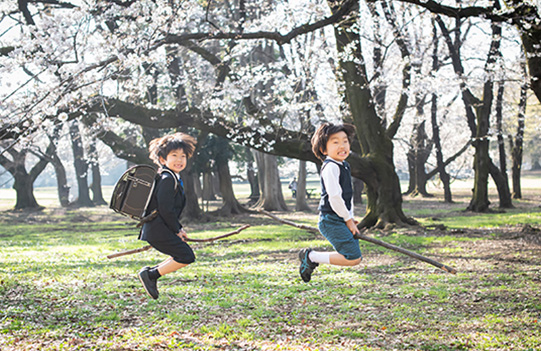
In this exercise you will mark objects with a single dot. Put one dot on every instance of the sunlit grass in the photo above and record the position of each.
(60, 292)
(489, 220)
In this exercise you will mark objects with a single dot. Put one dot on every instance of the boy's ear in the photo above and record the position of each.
(162, 160)
(324, 152)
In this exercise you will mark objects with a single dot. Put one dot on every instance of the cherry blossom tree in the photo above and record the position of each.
(161, 64)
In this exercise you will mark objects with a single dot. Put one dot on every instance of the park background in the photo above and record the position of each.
(444, 96)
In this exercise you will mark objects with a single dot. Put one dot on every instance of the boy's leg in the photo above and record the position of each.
(333, 258)
(169, 265)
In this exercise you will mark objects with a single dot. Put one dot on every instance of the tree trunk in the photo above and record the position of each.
(358, 187)
(477, 113)
(97, 194)
(531, 42)
(230, 204)
(444, 176)
(384, 205)
(252, 179)
(300, 199)
(61, 178)
(517, 145)
(479, 201)
(192, 209)
(23, 184)
(500, 175)
(24, 189)
(61, 181)
(81, 165)
(208, 187)
(502, 184)
(272, 198)
(23, 180)
(420, 149)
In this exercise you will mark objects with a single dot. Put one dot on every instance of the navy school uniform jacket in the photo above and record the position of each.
(170, 202)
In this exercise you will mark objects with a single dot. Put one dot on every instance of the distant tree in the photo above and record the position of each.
(80, 163)
(97, 194)
(418, 153)
(54, 159)
(24, 180)
(478, 112)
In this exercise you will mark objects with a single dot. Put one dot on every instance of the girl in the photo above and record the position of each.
(331, 144)
(165, 233)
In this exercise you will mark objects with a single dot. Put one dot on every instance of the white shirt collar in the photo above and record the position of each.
(332, 159)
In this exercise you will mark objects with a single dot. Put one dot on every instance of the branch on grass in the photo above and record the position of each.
(148, 247)
(370, 240)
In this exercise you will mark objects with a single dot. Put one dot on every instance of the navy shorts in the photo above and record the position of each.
(334, 229)
(176, 248)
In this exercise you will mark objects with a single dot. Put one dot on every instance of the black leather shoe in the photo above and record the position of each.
(150, 285)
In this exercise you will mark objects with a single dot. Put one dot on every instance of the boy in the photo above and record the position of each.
(165, 233)
(331, 144)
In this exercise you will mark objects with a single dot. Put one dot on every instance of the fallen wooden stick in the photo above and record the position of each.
(148, 247)
(371, 240)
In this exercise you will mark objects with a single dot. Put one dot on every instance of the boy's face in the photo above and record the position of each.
(176, 160)
(337, 146)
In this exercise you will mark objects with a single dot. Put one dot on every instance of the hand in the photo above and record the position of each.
(352, 226)
(182, 234)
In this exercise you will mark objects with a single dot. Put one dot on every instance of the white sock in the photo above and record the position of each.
(320, 257)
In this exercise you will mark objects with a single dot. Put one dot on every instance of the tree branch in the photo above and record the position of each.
(4, 51)
(279, 38)
(450, 159)
(390, 15)
(23, 7)
(61, 4)
(456, 12)
(148, 247)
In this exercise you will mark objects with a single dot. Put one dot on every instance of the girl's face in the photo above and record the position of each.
(337, 146)
(176, 160)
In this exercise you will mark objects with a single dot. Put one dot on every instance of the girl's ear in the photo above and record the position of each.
(324, 152)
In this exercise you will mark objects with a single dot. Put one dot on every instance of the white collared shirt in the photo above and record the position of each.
(330, 175)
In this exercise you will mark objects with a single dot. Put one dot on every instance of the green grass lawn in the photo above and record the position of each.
(58, 291)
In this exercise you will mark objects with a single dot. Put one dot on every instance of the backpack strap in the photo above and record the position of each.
(154, 213)
(172, 174)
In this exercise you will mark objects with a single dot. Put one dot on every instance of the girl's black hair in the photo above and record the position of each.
(161, 147)
(322, 134)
